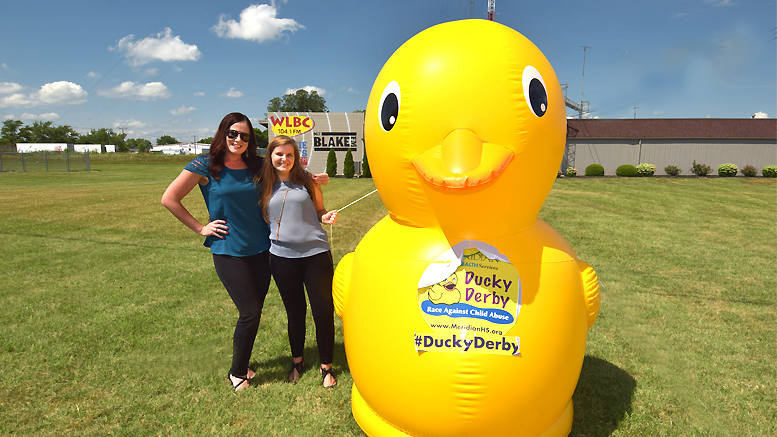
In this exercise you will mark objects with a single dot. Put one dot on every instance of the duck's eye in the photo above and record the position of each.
(388, 110)
(534, 90)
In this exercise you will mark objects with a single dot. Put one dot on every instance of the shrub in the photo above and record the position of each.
(626, 170)
(749, 171)
(727, 170)
(700, 169)
(331, 163)
(770, 171)
(560, 174)
(672, 170)
(366, 167)
(594, 170)
(571, 172)
(645, 170)
(348, 170)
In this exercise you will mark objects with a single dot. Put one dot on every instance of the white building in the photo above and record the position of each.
(182, 149)
(61, 147)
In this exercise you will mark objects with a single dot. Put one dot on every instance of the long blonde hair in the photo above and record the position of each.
(297, 175)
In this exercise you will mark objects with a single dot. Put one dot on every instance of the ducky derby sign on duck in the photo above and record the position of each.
(463, 312)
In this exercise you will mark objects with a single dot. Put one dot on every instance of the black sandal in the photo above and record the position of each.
(243, 379)
(298, 367)
(325, 372)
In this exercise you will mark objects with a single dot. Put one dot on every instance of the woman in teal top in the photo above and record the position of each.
(236, 232)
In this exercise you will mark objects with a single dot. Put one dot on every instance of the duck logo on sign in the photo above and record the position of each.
(292, 125)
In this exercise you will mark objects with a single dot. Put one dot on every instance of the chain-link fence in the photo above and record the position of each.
(44, 161)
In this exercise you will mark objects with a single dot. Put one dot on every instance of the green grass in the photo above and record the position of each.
(113, 320)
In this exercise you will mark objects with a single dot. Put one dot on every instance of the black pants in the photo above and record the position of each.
(315, 273)
(246, 279)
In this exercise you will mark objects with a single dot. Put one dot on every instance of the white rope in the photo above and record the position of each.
(332, 227)
(346, 206)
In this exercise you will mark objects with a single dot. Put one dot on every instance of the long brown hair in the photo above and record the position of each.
(218, 147)
(297, 175)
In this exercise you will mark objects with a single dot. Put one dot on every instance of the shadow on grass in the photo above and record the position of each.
(267, 370)
(602, 398)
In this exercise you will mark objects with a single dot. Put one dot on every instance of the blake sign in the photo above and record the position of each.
(292, 125)
(339, 141)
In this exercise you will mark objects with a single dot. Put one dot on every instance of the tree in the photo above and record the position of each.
(139, 144)
(208, 140)
(366, 167)
(166, 139)
(104, 136)
(300, 101)
(331, 163)
(261, 138)
(44, 132)
(10, 131)
(348, 170)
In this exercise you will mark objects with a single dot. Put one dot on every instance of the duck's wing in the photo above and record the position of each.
(341, 283)
(593, 299)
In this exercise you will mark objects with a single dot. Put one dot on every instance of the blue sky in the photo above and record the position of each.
(173, 67)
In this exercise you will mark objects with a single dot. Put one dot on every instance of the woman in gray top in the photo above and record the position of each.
(293, 206)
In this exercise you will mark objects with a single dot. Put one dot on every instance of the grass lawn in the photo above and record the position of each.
(113, 320)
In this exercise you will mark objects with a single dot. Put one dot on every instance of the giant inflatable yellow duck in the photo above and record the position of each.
(465, 130)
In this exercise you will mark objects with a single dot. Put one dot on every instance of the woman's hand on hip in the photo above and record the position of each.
(216, 228)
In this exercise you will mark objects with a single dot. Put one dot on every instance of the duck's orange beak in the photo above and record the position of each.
(462, 160)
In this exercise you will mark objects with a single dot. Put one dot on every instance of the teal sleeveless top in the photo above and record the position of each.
(234, 198)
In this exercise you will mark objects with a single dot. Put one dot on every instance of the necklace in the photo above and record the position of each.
(278, 220)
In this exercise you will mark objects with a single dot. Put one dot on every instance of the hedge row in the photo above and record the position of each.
(647, 170)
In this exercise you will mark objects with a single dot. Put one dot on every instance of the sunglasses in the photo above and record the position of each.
(232, 134)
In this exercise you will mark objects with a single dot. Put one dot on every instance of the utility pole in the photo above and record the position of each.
(491, 9)
(635, 113)
(582, 81)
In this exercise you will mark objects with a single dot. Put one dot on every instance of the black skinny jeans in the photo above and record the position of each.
(246, 279)
(315, 273)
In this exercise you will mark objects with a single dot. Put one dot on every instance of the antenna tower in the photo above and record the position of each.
(582, 80)
(491, 8)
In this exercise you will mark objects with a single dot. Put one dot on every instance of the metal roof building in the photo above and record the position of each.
(664, 142)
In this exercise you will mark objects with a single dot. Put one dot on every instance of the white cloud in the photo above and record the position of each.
(60, 93)
(49, 116)
(658, 112)
(126, 124)
(721, 2)
(165, 47)
(257, 23)
(136, 91)
(9, 117)
(320, 91)
(351, 90)
(232, 93)
(92, 75)
(27, 116)
(182, 110)
(199, 94)
(151, 71)
(760, 115)
(55, 93)
(5, 66)
(9, 87)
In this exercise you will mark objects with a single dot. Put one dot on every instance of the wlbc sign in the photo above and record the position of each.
(292, 125)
